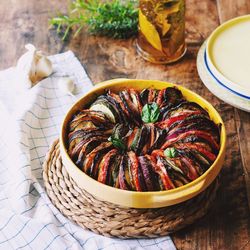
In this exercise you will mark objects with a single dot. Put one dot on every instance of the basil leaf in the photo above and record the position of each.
(150, 112)
(146, 113)
(170, 152)
(155, 112)
(118, 143)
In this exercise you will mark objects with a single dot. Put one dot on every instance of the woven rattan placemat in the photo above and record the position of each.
(115, 221)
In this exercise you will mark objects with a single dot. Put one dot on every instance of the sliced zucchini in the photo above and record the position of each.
(142, 140)
(105, 109)
(122, 169)
(136, 139)
(113, 179)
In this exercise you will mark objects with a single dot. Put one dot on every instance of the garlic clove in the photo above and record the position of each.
(44, 67)
(66, 85)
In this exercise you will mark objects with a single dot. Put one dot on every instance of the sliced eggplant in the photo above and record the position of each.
(125, 112)
(196, 164)
(159, 139)
(144, 96)
(142, 140)
(94, 156)
(150, 178)
(77, 149)
(172, 95)
(199, 122)
(128, 103)
(205, 155)
(183, 106)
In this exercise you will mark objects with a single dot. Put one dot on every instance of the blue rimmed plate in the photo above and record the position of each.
(217, 88)
(227, 55)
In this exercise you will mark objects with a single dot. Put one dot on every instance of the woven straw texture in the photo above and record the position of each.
(115, 221)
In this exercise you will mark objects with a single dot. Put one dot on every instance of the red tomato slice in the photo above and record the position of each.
(104, 165)
(198, 133)
(160, 169)
(135, 170)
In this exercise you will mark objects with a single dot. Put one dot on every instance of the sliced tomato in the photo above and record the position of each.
(198, 133)
(168, 122)
(77, 149)
(161, 171)
(104, 166)
(135, 170)
(151, 95)
(199, 148)
(160, 97)
(90, 157)
(157, 152)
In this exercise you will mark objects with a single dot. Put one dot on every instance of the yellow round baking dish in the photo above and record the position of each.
(132, 198)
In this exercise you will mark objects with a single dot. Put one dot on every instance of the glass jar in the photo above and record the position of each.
(161, 37)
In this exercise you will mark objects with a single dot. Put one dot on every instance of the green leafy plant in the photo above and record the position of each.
(114, 18)
(117, 142)
(150, 112)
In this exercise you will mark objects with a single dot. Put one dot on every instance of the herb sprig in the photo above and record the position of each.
(170, 152)
(115, 18)
(117, 142)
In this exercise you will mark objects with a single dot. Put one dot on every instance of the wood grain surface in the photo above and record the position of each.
(227, 226)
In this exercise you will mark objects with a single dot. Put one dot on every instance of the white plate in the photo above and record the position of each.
(228, 55)
(215, 87)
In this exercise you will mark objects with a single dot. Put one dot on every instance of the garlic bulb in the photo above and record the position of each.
(32, 67)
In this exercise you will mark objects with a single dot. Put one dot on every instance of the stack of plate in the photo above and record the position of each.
(223, 62)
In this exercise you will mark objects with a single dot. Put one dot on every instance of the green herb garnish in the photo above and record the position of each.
(117, 19)
(117, 142)
(170, 152)
(150, 112)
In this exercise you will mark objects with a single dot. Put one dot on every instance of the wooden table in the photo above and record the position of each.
(227, 226)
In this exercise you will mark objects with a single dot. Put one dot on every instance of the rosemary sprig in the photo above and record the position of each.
(114, 18)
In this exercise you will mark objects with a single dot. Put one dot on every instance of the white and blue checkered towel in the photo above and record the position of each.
(29, 123)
